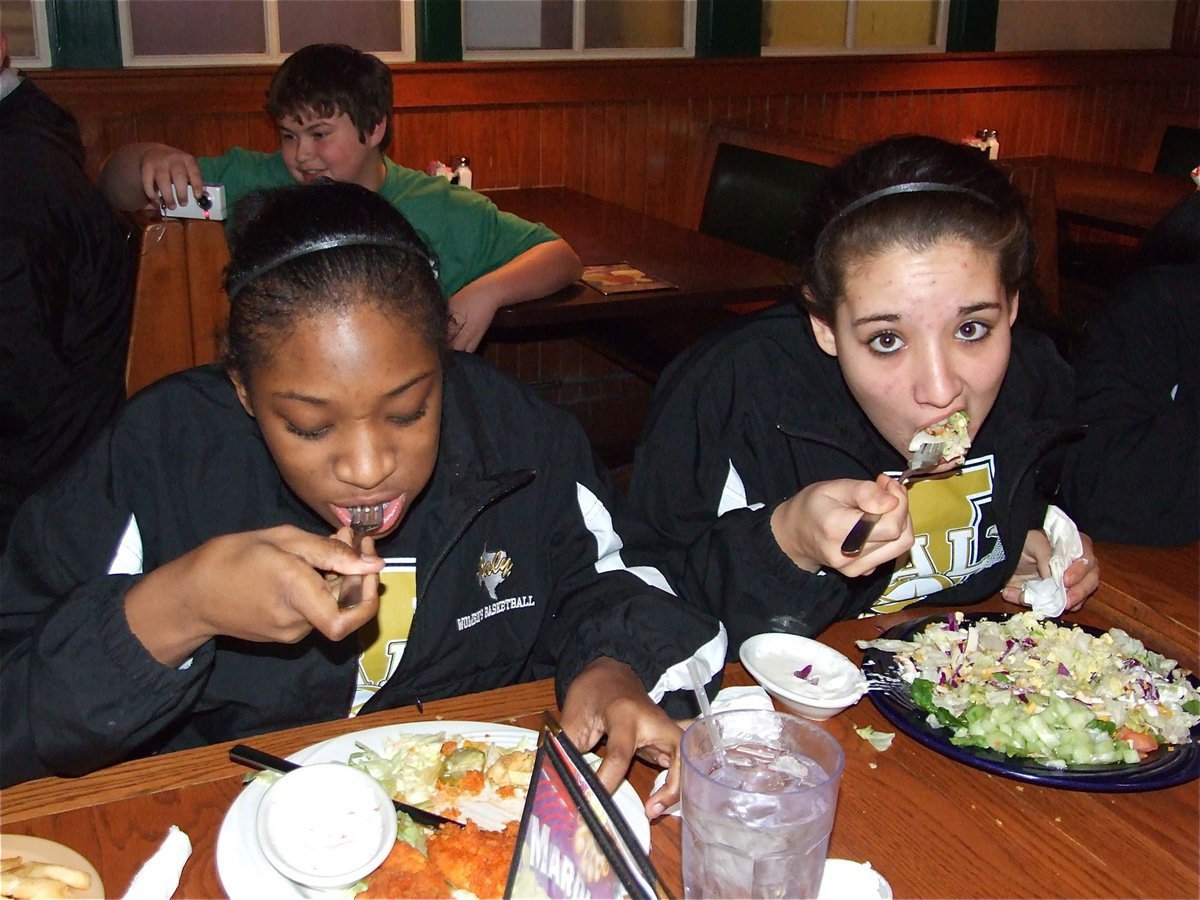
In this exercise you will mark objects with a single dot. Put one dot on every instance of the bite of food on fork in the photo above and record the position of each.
(936, 449)
(364, 520)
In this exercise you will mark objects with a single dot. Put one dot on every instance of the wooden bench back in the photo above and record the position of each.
(752, 184)
(1172, 144)
(179, 308)
(1035, 181)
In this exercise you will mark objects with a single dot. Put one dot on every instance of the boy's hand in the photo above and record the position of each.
(163, 168)
(135, 176)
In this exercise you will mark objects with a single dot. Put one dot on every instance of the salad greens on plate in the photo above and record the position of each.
(1057, 694)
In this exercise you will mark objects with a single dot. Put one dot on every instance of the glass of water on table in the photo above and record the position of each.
(759, 794)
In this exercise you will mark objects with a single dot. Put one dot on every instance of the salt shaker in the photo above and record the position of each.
(461, 166)
(987, 141)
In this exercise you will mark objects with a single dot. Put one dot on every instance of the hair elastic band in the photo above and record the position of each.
(331, 243)
(910, 187)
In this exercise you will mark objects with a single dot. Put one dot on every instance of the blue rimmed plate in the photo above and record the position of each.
(1168, 766)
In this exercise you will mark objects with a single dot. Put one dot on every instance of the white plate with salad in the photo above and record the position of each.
(1056, 704)
(246, 873)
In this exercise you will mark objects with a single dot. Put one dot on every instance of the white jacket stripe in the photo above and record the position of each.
(127, 560)
(608, 543)
(733, 494)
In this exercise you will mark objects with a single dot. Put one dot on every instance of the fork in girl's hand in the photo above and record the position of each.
(363, 520)
(924, 460)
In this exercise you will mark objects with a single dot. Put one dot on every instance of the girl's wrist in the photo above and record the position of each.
(160, 619)
(784, 538)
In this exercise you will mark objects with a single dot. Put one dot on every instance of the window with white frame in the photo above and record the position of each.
(791, 27)
(566, 29)
(24, 24)
(232, 32)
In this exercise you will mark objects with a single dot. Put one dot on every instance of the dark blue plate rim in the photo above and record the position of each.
(1169, 766)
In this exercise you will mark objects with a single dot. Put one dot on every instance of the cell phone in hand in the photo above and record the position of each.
(209, 205)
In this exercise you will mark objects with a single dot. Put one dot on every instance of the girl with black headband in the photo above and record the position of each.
(180, 585)
(766, 444)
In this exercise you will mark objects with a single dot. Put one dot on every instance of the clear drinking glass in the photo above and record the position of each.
(759, 825)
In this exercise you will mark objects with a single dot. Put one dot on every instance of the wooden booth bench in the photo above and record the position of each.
(180, 310)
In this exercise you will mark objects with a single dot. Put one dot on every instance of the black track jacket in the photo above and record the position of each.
(183, 463)
(748, 417)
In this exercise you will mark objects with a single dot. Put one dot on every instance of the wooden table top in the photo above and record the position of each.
(1114, 198)
(707, 271)
(931, 826)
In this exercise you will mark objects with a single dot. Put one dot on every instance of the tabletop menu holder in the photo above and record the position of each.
(620, 278)
(573, 841)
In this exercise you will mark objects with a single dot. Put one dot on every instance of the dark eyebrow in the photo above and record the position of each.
(882, 317)
(321, 401)
(962, 311)
(978, 307)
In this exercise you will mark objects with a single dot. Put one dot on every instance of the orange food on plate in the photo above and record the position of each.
(406, 873)
(469, 859)
(474, 860)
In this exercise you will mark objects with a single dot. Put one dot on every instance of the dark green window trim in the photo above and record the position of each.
(87, 35)
(84, 35)
(728, 28)
(439, 30)
(972, 26)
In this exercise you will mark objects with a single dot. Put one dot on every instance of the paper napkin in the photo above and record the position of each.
(752, 697)
(158, 877)
(1048, 596)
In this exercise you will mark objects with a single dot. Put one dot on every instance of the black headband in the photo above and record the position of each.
(908, 187)
(330, 243)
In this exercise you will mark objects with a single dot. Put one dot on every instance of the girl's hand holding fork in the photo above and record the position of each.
(811, 525)
(267, 586)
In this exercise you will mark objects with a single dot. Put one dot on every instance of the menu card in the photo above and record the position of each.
(573, 842)
(618, 278)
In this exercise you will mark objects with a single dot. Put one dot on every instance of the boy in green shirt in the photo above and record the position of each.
(333, 106)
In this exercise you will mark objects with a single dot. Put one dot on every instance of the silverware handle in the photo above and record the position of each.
(853, 544)
(260, 759)
(351, 592)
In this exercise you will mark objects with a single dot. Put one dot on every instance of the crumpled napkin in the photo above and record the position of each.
(158, 877)
(1048, 596)
(752, 697)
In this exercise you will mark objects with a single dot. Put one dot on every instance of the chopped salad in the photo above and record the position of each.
(952, 432)
(1029, 687)
(480, 780)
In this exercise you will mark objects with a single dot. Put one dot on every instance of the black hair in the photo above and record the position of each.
(306, 250)
(328, 79)
(909, 191)
(1175, 239)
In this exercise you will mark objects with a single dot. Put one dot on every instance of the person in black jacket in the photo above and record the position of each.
(765, 445)
(66, 294)
(179, 586)
(1135, 476)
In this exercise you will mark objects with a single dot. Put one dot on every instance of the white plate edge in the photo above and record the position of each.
(270, 882)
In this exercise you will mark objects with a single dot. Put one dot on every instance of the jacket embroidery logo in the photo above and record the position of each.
(954, 535)
(493, 569)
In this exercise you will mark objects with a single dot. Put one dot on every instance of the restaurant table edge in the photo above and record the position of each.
(931, 826)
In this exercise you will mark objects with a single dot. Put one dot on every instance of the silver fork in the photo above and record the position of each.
(924, 460)
(363, 520)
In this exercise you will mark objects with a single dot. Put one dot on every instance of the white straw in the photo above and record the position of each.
(714, 733)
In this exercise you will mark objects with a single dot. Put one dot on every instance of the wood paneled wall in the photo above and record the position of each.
(633, 131)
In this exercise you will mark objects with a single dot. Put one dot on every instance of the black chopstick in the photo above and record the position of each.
(260, 759)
